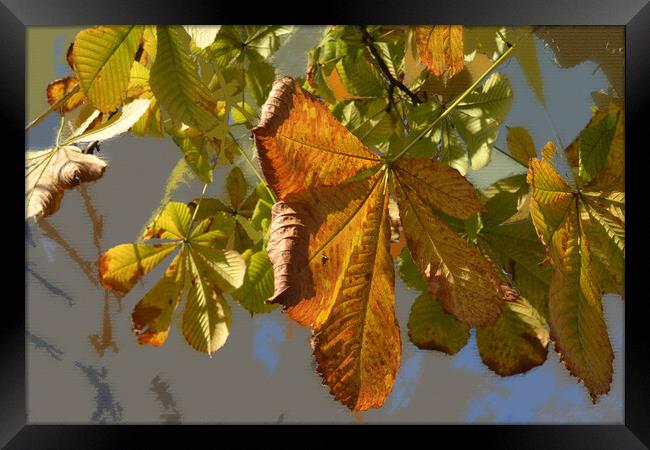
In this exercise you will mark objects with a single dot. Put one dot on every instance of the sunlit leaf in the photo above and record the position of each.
(441, 48)
(103, 57)
(258, 283)
(175, 82)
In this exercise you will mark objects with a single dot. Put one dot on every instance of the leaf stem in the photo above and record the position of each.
(254, 169)
(393, 82)
(450, 108)
(500, 150)
(53, 107)
(58, 132)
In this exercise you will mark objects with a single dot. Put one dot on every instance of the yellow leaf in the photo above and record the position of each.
(122, 266)
(207, 316)
(102, 57)
(310, 235)
(440, 186)
(551, 196)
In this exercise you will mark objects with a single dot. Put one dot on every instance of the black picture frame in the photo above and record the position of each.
(16, 15)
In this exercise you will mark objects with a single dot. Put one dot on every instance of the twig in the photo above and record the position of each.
(40, 118)
(394, 82)
(450, 108)
(500, 150)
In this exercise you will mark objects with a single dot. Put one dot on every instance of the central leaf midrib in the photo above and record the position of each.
(316, 147)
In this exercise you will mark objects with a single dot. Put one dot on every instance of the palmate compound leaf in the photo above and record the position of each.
(200, 272)
(48, 173)
(575, 309)
(441, 48)
(330, 242)
(236, 212)
(465, 137)
(102, 57)
(603, 193)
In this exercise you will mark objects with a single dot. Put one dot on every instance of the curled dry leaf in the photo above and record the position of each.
(51, 172)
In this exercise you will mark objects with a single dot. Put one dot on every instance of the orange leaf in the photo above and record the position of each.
(441, 48)
(458, 276)
(440, 186)
(357, 348)
(310, 236)
(57, 89)
(301, 144)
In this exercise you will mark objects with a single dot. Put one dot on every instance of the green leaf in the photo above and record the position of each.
(261, 213)
(258, 283)
(237, 187)
(594, 147)
(517, 248)
(237, 45)
(473, 227)
(196, 151)
(260, 76)
(431, 328)
(492, 100)
(175, 82)
(227, 266)
(360, 77)
(516, 342)
(207, 316)
(409, 272)
(452, 150)
(102, 58)
(505, 198)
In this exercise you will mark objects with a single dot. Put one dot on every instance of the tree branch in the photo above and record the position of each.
(393, 82)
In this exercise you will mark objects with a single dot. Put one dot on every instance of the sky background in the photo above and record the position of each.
(265, 372)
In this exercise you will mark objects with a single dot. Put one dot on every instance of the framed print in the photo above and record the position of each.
(395, 214)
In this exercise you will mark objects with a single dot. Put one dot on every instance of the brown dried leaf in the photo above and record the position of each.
(51, 172)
